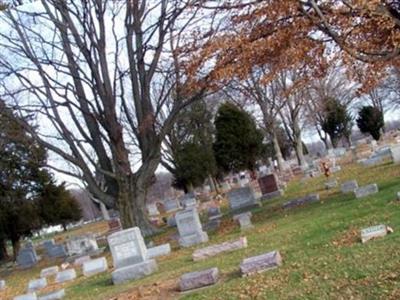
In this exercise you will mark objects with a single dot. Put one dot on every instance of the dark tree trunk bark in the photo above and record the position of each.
(3, 250)
(16, 245)
(278, 152)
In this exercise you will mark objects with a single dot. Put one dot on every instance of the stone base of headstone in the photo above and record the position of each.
(195, 280)
(30, 296)
(260, 263)
(278, 193)
(373, 233)
(94, 266)
(214, 250)
(349, 186)
(244, 220)
(367, 190)
(51, 271)
(66, 275)
(36, 284)
(56, 295)
(135, 271)
(157, 251)
(331, 184)
(190, 240)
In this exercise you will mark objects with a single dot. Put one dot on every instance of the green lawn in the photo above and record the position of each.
(323, 257)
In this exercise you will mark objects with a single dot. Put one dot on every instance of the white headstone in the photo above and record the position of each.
(189, 227)
(66, 275)
(49, 271)
(36, 284)
(95, 266)
(373, 232)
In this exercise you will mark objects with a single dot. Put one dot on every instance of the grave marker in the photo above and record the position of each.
(82, 245)
(373, 232)
(260, 263)
(214, 250)
(30, 296)
(157, 251)
(366, 190)
(66, 275)
(27, 258)
(56, 295)
(51, 271)
(36, 284)
(194, 280)
(349, 186)
(189, 228)
(242, 199)
(2, 284)
(95, 266)
(244, 220)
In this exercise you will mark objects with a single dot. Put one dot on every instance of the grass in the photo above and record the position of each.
(322, 255)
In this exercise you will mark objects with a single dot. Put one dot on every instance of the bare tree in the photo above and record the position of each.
(99, 76)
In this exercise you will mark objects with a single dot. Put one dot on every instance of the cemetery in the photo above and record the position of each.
(172, 149)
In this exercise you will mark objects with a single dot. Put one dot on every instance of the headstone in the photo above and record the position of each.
(300, 201)
(366, 190)
(95, 266)
(278, 193)
(80, 260)
(395, 153)
(27, 258)
(171, 221)
(373, 232)
(349, 186)
(66, 275)
(2, 284)
(188, 200)
(157, 251)
(269, 186)
(189, 227)
(129, 255)
(242, 199)
(36, 284)
(244, 220)
(194, 280)
(30, 296)
(81, 245)
(51, 271)
(331, 184)
(214, 218)
(152, 209)
(373, 161)
(214, 250)
(56, 251)
(114, 225)
(48, 244)
(56, 295)
(260, 263)
(171, 205)
(335, 169)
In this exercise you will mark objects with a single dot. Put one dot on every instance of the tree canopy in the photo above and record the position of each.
(370, 120)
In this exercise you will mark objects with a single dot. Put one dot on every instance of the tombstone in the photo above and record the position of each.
(260, 263)
(269, 186)
(80, 260)
(213, 250)
(66, 275)
(47, 244)
(171, 221)
(349, 186)
(56, 295)
(335, 169)
(373, 161)
(331, 184)
(152, 210)
(214, 218)
(129, 255)
(57, 251)
(36, 284)
(366, 190)
(95, 266)
(194, 280)
(30, 296)
(244, 220)
(395, 153)
(189, 228)
(373, 232)
(157, 251)
(2, 284)
(51, 271)
(301, 201)
(171, 205)
(27, 258)
(114, 225)
(242, 199)
(188, 200)
(81, 245)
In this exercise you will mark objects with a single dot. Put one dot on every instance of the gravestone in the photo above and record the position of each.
(56, 295)
(189, 228)
(331, 184)
(213, 250)
(260, 263)
(65, 275)
(366, 190)
(335, 169)
(244, 220)
(188, 200)
(114, 225)
(51, 271)
(80, 260)
(160, 250)
(36, 284)
(301, 201)
(373, 232)
(57, 251)
(171, 205)
(242, 199)
(395, 153)
(214, 218)
(94, 266)
(30, 296)
(27, 258)
(195, 280)
(48, 244)
(269, 186)
(349, 186)
(82, 245)
(129, 255)
(2, 284)
(152, 209)
(171, 221)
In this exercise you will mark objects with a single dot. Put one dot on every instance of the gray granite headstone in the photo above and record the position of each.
(214, 218)
(194, 280)
(301, 201)
(57, 251)
(171, 221)
(27, 258)
(373, 232)
(349, 186)
(188, 200)
(66, 275)
(331, 184)
(50, 271)
(242, 199)
(129, 255)
(160, 250)
(213, 250)
(56, 295)
(81, 245)
(367, 190)
(395, 153)
(30, 296)
(94, 266)
(36, 284)
(171, 205)
(189, 227)
(244, 220)
(260, 263)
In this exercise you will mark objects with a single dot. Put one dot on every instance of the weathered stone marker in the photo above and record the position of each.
(94, 266)
(189, 227)
(129, 255)
(204, 253)
(160, 250)
(244, 220)
(367, 190)
(349, 186)
(269, 187)
(114, 225)
(194, 280)
(214, 218)
(36, 284)
(300, 201)
(242, 199)
(373, 232)
(331, 184)
(66, 275)
(30, 296)
(82, 245)
(27, 258)
(80, 260)
(2, 284)
(49, 271)
(188, 200)
(395, 153)
(56, 295)
(260, 263)
(171, 205)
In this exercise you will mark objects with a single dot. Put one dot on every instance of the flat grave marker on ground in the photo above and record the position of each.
(213, 250)
(36, 284)
(349, 186)
(373, 232)
(56, 295)
(260, 263)
(94, 266)
(195, 280)
(65, 275)
(366, 190)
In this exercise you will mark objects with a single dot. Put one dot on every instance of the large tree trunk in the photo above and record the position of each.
(278, 152)
(298, 145)
(16, 245)
(3, 250)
